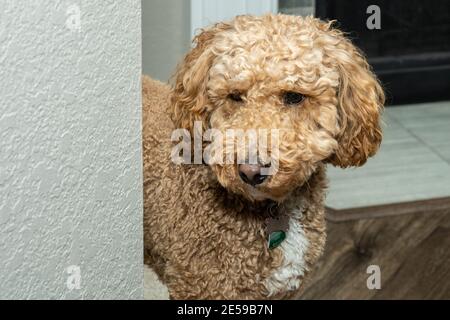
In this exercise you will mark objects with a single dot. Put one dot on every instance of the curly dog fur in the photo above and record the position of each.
(203, 225)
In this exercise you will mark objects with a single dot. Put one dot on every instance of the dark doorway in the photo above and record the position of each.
(411, 51)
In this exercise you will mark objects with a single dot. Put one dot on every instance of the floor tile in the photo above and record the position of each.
(412, 164)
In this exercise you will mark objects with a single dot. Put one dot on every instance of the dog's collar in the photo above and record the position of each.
(276, 225)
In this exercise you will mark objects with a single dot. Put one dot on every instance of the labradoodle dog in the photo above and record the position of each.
(227, 230)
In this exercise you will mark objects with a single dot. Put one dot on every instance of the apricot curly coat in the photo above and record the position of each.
(203, 225)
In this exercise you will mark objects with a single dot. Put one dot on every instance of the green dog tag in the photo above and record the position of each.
(276, 229)
(276, 238)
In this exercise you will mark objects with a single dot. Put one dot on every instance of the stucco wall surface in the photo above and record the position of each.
(70, 149)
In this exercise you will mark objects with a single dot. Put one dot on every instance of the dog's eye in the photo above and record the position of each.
(235, 96)
(292, 98)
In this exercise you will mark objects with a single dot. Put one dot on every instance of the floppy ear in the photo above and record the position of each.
(189, 100)
(360, 103)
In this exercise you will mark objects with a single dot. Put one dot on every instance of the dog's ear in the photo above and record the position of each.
(360, 103)
(189, 100)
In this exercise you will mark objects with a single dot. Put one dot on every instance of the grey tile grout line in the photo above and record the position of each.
(393, 117)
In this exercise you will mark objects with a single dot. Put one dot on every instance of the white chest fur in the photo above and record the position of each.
(288, 276)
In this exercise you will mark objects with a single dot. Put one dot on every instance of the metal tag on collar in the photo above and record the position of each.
(277, 226)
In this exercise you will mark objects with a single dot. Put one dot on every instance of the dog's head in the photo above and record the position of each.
(296, 77)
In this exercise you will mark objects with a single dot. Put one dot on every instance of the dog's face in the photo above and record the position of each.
(300, 85)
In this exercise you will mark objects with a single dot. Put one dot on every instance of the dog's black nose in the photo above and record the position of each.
(251, 174)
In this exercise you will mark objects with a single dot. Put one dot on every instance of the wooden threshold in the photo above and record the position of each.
(385, 210)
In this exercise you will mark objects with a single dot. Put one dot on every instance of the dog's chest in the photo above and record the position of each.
(283, 266)
(288, 276)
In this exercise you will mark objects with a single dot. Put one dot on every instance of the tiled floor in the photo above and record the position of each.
(413, 162)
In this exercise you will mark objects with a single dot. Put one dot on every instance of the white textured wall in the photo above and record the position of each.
(70, 149)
